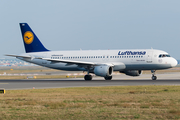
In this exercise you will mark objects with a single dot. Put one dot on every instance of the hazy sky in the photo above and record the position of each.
(92, 24)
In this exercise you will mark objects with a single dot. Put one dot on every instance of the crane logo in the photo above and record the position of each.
(28, 37)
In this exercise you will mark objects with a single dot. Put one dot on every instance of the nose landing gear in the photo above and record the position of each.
(153, 75)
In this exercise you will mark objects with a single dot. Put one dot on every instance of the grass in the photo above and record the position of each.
(124, 102)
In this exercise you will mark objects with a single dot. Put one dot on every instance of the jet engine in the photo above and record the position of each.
(103, 70)
(132, 72)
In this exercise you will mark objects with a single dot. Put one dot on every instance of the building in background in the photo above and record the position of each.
(14, 62)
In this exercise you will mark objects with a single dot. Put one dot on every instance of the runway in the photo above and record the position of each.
(64, 83)
(118, 80)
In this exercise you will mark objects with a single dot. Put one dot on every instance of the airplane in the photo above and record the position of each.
(99, 62)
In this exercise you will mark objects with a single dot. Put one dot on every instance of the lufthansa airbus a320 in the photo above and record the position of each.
(99, 62)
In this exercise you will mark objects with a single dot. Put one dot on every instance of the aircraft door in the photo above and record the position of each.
(149, 57)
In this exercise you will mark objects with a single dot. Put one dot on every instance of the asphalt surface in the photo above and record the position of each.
(118, 80)
(63, 83)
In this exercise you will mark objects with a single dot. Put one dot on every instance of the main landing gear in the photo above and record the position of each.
(108, 77)
(88, 77)
(153, 75)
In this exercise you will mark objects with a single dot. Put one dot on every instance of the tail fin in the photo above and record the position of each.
(31, 42)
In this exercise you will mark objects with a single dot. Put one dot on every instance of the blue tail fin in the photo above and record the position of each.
(31, 42)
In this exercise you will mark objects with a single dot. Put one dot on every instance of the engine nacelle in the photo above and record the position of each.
(132, 72)
(103, 71)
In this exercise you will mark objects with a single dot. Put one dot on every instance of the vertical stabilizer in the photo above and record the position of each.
(31, 42)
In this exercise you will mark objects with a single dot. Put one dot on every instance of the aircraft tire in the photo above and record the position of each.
(154, 78)
(108, 78)
(88, 77)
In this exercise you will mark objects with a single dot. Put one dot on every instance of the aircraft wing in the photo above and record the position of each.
(23, 56)
(83, 63)
(19, 56)
(69, 61)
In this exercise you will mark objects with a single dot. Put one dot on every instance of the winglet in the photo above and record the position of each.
(31, 41)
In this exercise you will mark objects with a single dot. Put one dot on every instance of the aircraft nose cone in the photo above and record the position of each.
(174, 62)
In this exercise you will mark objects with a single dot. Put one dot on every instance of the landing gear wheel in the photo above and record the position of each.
(154, 78)
(108, 78)
(153, 75)
(87, 77)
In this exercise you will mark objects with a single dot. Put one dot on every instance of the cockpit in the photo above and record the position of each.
(164, 55)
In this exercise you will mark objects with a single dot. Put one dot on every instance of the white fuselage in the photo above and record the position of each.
(138, 59)
(100, 62)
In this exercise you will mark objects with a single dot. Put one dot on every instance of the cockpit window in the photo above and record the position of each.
(164, 55)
